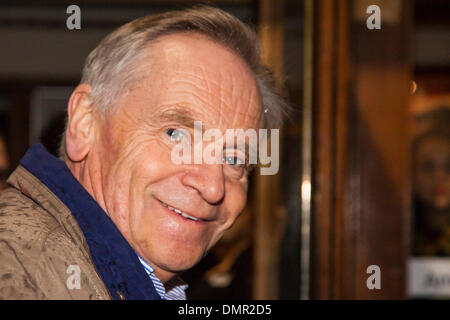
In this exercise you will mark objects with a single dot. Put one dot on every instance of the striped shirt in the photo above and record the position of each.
(176, 288)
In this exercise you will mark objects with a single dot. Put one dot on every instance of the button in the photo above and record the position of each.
(120, 294)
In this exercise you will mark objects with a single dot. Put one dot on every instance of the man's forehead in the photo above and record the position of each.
(208, 80)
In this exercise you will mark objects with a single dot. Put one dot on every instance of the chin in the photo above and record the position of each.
(176, 265)
(179, 258)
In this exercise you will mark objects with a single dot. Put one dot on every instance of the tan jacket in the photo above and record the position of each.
(39, 241)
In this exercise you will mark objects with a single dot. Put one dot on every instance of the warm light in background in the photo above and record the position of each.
(413, 86)
(306, 190)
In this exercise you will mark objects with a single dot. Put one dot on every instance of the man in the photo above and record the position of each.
(117, 218)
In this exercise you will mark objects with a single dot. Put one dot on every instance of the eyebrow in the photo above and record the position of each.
(179, 115)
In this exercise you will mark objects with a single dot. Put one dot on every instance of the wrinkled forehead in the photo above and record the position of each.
(208, 80)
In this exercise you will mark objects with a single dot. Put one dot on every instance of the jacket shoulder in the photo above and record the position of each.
(36, 253)
(23, 223)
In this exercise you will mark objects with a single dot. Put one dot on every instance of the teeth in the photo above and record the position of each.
(180, 212)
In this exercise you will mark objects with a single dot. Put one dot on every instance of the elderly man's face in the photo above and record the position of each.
(189, 78)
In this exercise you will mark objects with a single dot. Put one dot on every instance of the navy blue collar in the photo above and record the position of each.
(114, 259)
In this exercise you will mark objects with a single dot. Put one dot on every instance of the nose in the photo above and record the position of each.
(208, 180)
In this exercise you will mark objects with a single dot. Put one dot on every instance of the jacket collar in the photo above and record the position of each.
(115, 260)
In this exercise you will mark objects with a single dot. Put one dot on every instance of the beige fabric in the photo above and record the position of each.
(39, 240)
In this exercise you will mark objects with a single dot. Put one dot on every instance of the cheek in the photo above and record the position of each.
(234, 204)
(236, 200)
(127, 183)
(146, 170)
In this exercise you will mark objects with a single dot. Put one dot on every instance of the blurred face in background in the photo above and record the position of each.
(4, 163)
(432, 172)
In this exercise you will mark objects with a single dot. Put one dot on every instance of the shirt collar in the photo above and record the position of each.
(174, 289)
(113, 257)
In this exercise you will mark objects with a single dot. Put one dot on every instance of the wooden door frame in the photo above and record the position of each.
(361, 176)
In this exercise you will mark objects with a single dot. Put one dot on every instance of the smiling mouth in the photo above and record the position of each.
(179, 212)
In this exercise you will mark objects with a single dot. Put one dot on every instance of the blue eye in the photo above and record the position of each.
(175, 134)
(234, 161)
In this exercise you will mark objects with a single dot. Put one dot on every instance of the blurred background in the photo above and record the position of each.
(365, 173)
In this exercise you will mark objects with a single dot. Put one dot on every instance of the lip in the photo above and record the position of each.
(165, 206)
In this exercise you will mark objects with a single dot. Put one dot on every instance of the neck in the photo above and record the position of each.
(89, 179)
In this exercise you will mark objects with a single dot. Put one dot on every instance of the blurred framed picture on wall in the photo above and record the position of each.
(47, 115)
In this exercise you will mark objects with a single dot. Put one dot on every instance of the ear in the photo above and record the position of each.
(80, 124)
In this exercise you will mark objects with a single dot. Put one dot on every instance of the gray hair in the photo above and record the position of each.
(113, 66)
